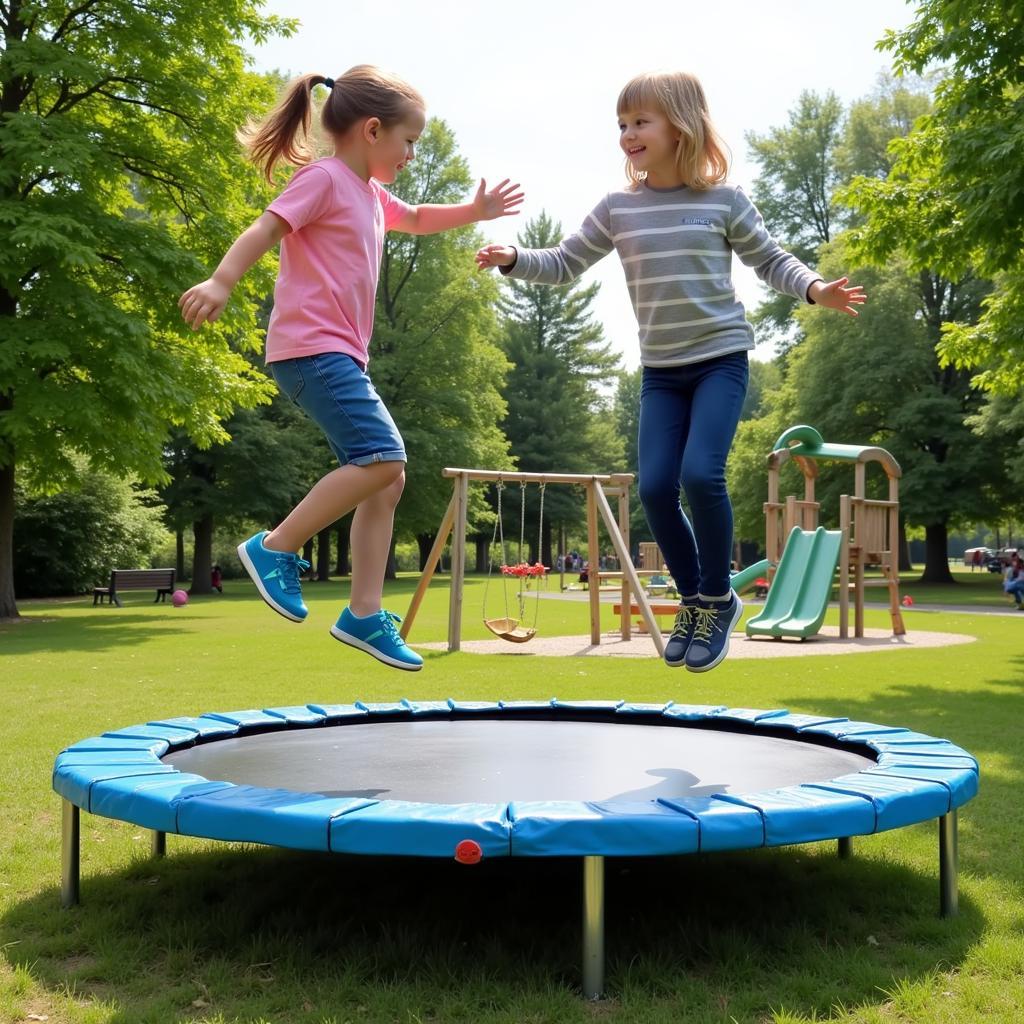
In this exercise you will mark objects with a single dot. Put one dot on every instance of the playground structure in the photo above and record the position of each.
(598, 488)
(806, 555)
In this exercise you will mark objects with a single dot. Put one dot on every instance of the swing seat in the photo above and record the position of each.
(510, 629)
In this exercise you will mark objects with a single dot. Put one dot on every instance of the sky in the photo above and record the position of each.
(529, 88)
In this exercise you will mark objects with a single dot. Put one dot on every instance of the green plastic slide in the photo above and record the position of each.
(745, 578)
(800, 592)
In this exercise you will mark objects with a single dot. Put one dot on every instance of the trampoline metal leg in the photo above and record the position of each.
(593, 927)
(158, 844)
(69, 854)
(845, 848)
(948, 895)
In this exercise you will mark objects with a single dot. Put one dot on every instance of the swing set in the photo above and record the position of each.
(508, 628)
(514, 627)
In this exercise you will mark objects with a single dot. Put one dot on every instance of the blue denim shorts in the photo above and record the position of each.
(336, 393)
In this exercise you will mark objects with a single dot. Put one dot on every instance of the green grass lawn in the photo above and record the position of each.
(223, 933)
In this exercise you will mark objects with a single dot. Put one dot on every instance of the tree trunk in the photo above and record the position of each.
(483, 552)
(323, 554)
(546, 556)
(904, 549)
(391, 572)
(179, 554)
(424, 541)
(8, 603)
(343, 566)
(936, 559)
(307, 551)
(202, 555)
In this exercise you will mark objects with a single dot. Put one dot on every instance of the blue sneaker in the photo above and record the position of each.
(276, 575)
(378, 636)
(714, 622)
(682, 633)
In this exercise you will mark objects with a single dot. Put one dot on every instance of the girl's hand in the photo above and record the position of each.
(495, 256)
(501, 201)
(203, 302)
(835, 295)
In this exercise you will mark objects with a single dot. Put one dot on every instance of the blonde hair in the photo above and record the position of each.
(363, 91)
(701, 155)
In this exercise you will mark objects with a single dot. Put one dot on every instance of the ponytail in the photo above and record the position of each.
(283, 136)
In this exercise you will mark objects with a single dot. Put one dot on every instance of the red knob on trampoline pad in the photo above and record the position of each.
(468, 852)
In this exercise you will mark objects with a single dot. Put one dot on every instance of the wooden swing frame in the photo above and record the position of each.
(598, 489)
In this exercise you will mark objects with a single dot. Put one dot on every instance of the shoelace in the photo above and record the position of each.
(291, 567)
(707, 623)
(684, 619)
(388, 621)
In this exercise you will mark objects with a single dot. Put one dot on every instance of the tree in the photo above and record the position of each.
(67, 543)
(795, 190)
(558, 419)
(954, 198)
(877, 380)
(435, 357)
(275, 454)
(119, 180)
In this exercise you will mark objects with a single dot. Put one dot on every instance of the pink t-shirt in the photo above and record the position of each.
(330, 261)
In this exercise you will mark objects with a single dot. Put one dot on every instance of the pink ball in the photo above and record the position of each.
(178, 598)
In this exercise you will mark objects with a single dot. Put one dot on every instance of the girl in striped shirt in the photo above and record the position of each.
(675, 228)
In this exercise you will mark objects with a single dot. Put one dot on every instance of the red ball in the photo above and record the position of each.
(179, 598)
(468, 852)
(908, 601)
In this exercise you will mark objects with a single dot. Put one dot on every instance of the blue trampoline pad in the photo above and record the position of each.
(471, 760)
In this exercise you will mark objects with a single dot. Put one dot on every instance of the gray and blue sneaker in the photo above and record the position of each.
(714, 622)
(378, 636)
(276, 575)
(682, 633)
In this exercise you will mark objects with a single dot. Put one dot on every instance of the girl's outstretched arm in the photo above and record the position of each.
(501, 201)
(206, 300)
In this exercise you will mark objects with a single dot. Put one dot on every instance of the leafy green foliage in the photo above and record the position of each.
(67, 543)
(559, 418)
(954, 198)
(120, 182)
(435, 357)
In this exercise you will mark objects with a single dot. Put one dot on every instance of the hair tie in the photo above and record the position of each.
(329, 82)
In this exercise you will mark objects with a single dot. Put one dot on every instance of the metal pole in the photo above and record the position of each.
(845, 848)
(948, 896)
(158, 844)
(69, 854)
(593, 927)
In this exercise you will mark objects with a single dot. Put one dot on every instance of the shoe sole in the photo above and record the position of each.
(725, 647)
(362, 645)
(247, 563)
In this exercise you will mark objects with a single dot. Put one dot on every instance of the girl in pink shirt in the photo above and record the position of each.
(330, 221)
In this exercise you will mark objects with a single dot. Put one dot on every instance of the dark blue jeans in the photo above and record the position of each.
(688, 417)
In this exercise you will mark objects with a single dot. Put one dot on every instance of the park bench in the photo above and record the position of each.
(162, 580)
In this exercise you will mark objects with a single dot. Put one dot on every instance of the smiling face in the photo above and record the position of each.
(650, 140)
(392, 148)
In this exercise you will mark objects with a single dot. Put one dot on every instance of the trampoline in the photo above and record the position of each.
(475, 780)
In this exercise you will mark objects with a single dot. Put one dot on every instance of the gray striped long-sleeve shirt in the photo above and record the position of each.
(676, 248)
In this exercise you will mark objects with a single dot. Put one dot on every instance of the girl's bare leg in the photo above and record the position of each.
(372, 527)
(331, 497)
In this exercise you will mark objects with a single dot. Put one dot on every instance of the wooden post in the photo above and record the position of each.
(431, 566)
(627, 568)
(898, 628)
(594, 555)
(626, 623)
(844, 566)
(460, 499)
